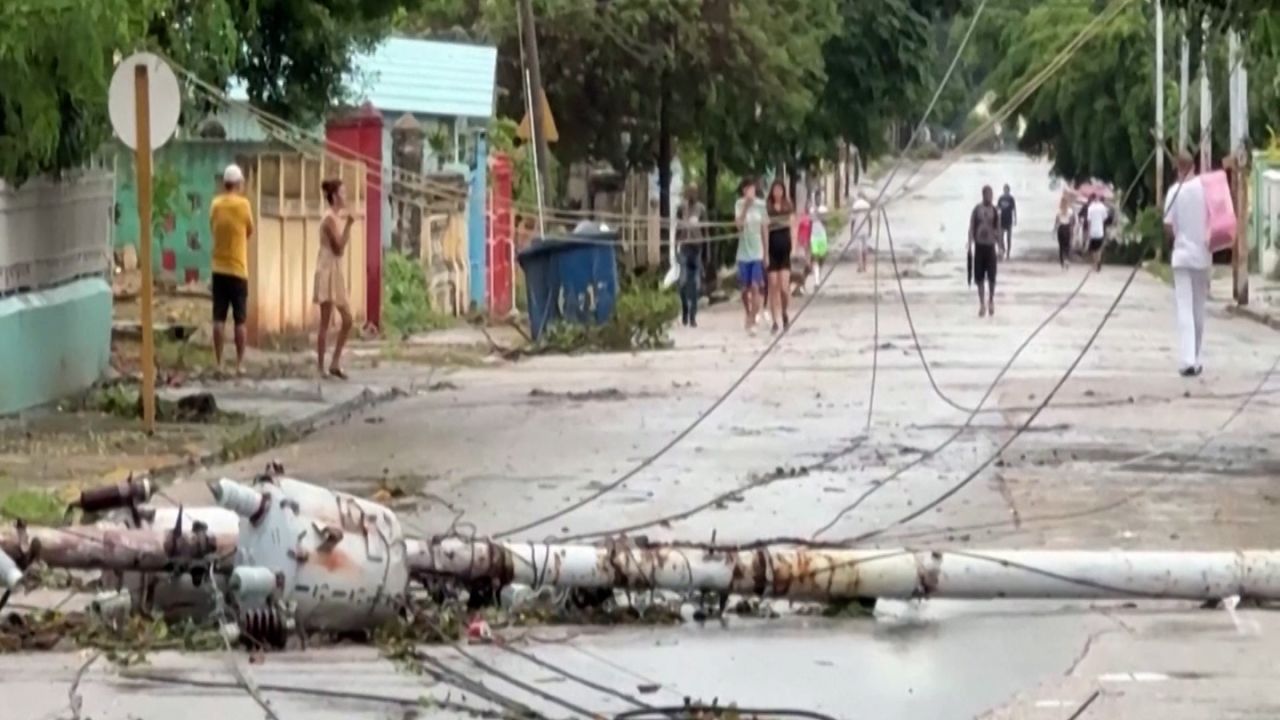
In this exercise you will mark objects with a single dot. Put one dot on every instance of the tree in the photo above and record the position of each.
(1092, 118)
(55, 65)
(293, 56)
(56, 58)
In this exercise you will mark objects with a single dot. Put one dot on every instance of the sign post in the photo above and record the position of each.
(144, 105)
(142, 165)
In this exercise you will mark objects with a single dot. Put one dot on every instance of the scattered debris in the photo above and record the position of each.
(604, 394)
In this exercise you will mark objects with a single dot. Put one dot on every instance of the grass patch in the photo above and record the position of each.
(406, 305)
(126, 402)
(1161, 271)
(641, 320)
(35, 507)
(181, 355)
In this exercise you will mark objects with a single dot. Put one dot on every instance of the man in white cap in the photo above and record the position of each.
(231, 222)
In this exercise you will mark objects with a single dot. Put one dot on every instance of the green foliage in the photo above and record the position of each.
(1093, 117)
(56, 59)
(876, 60)
(55, 65)
(406, 307)
(641, 320)
(35, 507)
(1139, 240)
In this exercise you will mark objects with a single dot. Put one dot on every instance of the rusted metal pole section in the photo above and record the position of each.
(806, 574)
(107, 547)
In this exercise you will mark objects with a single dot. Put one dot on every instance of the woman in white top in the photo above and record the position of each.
(330, 285)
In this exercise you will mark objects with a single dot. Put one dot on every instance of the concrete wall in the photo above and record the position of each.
(55, 303)
(53, 342)
(187, 175)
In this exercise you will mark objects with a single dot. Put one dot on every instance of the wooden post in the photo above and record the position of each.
(1240, 255)
(142, 164)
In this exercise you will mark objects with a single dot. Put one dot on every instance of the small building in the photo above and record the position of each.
(442, 91)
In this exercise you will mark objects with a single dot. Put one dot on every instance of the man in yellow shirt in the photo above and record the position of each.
(231, 221)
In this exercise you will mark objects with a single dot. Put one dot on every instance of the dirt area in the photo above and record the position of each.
(87, 447)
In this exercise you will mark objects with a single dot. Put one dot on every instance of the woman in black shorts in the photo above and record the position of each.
(781, 218)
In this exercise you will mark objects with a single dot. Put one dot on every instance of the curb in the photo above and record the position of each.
(282, 433)
(1257, 316)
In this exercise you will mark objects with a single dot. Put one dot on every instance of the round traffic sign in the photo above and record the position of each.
(163, 92)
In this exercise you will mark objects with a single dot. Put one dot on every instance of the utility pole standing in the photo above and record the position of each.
(1184, 85)
(1159, 104)
(1238, 99)
(1206, 103)
(536, 94)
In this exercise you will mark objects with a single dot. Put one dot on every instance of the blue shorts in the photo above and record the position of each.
(751, 273)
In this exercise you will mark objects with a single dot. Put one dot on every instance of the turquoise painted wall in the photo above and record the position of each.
(187, 176)
(53, 342)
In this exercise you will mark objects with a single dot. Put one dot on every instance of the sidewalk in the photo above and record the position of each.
(98, 439)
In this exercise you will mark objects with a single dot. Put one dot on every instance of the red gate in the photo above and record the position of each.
(499, 240)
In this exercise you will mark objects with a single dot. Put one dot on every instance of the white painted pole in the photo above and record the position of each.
(1206, 103)
(1184, 87)
(1233, 90)
(833, 575)
(1159, 120)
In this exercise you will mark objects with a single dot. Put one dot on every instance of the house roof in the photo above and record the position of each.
(423, 77)
(427, 77)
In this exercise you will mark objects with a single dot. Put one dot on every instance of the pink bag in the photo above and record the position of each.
(1220, 211)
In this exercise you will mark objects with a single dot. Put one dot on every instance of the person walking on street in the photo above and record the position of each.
(1008, 218)
(801, 263)
(781, 220)
(330, 285)
(689, 237)
(750, 217)
(231, 224)
(1063, 226)
(1097, 215)
(986, 243)
(818, 245)
(1186, 225)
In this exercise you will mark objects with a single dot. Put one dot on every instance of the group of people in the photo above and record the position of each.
(1185, 226)
(1094, 219)
(779, 251)
(231, 224)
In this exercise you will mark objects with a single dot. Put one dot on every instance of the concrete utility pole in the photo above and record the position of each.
(806, 574)
(1159, 104)
(1206, 103)
(528, 28)
(1184, 85)
(1238, 98)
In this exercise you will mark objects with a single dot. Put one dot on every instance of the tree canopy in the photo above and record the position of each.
(56, 58)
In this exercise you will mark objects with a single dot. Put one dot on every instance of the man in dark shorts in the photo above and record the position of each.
(1008, 218)
(986, 241)
(231, 222)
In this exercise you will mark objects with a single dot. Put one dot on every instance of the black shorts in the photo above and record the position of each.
(1095, 244)
(984, 264)
(779, 250)
(230, 292)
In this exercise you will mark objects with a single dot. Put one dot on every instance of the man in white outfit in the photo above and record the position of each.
(1186, 223)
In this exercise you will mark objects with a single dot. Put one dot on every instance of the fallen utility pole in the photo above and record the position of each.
(807, 574)
(310, 559)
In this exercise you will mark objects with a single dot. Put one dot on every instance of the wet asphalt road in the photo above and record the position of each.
(505, 446)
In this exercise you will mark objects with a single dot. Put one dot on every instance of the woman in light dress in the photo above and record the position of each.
(331, 286)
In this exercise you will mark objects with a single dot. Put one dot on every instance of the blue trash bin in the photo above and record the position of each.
(573, 280)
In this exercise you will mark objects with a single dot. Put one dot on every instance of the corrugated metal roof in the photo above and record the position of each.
(423, 77)
(426, 77)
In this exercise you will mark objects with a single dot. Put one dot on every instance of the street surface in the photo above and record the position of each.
(1128, 455)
